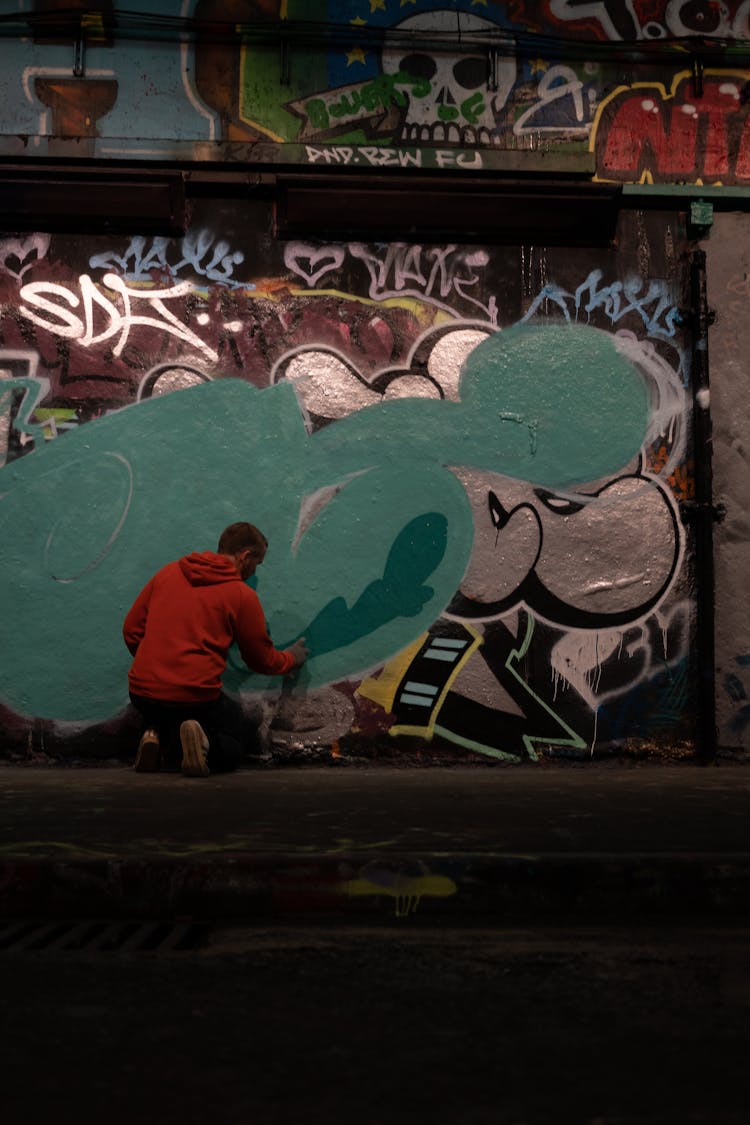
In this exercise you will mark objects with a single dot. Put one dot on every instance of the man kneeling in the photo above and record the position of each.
(179, 630)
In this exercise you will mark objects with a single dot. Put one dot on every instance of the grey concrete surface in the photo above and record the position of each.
(340, 1025)
(397, 842)
(115, 811)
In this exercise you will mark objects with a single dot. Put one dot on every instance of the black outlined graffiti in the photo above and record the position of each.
(581, 560)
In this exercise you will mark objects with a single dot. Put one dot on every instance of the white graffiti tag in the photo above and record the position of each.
(199, 254)
(653, 302)
(19, 255)
(430, 273)
(558, 85)
(50, 306)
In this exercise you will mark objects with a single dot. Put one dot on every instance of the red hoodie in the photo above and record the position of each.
(182, 623)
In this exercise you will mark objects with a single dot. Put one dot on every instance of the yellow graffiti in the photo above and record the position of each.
(50, 418)
(423, 312)
(383, 689)
(407, 890)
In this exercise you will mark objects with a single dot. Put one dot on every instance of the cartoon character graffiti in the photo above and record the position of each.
(581, 559)
(594, 563)
(370, 526)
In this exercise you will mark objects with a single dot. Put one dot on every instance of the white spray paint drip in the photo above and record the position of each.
(664, 626)
(596, 730)
(579, 659)
(597, 670)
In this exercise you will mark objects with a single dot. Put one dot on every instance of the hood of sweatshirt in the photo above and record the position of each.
(207, 568)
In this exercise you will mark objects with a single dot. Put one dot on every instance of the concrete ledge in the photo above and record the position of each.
(460, 889)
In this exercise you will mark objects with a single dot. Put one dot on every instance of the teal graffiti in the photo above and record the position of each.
(401, 592)
(89, 517)
(556, 406)
(34, 391)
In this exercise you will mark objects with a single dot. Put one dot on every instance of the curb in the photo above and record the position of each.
(475, 889)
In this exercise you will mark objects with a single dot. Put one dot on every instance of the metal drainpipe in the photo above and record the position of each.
(701, 512)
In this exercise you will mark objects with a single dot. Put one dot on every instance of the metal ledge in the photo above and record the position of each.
(545, 213)
(120, 203)
(679, 197)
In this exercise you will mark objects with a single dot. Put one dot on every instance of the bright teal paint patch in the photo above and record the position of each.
(89, 517)
(552, 405)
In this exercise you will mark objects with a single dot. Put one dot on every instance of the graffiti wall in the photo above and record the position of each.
(468, 462)
(617, 88)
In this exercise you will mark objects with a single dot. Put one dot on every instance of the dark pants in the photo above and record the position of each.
(221, 719)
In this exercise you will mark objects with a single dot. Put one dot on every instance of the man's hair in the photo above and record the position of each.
(241, 537)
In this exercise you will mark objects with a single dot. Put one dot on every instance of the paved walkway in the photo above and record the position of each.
(379, 844)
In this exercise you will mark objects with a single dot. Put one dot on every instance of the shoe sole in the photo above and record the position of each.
(193, 742)
(148, 758)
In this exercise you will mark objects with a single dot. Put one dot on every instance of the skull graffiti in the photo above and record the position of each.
(457, 105)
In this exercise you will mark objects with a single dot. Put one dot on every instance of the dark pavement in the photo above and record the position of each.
(379, 845)
(500, 946)
(394, 1025)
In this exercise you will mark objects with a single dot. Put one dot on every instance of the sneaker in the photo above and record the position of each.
(194, 749)
(148, 758)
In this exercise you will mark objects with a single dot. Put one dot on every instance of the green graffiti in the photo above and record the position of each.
(471, 110)
(367, 98)
(90, 516)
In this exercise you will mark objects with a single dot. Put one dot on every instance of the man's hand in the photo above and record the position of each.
(299, 651)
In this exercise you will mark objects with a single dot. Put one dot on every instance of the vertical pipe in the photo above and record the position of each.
(701, 512)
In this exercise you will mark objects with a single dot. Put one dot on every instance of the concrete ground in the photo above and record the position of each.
(384, 1026)
(501, 946)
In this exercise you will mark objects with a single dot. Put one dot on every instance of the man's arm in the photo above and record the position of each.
(134, 625)
(256, 647)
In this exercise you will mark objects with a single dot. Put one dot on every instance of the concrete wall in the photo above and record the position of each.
(469, 457)
(728, 255)
(468, 461)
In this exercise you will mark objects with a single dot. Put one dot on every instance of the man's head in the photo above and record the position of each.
(245, 545)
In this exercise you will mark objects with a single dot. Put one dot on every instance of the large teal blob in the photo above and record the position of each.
(369, 530)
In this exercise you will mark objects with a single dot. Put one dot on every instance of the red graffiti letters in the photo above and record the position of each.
(645, 133)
